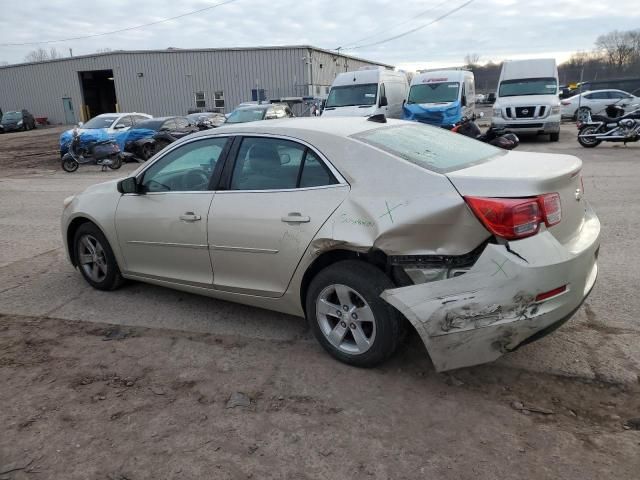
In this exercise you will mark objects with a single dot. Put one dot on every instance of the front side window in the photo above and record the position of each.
(124, 122)
(188, 168)
(441, 92)
(429, 147)
(277, 164)
(528, 86)
(353, 95)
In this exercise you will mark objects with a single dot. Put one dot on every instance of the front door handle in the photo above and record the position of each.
(295, 217)
(190, 217)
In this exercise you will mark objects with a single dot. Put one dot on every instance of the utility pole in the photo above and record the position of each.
(71, 52)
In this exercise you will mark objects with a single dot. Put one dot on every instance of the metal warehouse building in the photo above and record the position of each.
(169, 82)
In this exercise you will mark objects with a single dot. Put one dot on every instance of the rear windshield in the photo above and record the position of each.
(433, 148)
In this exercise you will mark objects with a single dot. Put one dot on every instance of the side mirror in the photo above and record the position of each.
(383, 101)
(80, 124)
(128, 185)
(119, 127)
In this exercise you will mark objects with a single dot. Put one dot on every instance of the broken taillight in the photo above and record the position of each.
(513, 218)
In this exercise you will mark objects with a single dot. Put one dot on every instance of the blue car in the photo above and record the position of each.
(108, 126)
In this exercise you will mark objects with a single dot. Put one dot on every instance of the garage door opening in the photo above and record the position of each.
(98, 92)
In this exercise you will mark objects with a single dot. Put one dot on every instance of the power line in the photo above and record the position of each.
(120, 30)
(418, 15)
(441, 17)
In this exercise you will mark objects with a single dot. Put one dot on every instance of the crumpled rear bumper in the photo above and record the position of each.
(491, 310)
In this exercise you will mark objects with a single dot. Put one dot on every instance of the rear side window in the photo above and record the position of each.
(429, 147)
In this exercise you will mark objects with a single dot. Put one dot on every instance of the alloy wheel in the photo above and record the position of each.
(345, 319)
(92, 258)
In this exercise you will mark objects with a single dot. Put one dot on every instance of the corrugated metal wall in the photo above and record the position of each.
(170, 79)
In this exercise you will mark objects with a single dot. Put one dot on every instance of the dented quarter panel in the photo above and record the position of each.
(477, 317)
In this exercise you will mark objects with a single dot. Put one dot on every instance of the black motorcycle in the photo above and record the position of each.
(498, 138)
(615, 126)
(105, 153)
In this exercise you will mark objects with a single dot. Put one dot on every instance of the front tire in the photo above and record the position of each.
(554, 137)
(95, 259)
(348, 317)
(588, 142)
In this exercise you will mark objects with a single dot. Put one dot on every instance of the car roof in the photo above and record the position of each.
(300, 126)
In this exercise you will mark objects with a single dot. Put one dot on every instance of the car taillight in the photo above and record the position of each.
(513, 218)
(551, 208)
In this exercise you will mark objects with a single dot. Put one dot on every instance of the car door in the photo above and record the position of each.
(162, 232)
(278, 193)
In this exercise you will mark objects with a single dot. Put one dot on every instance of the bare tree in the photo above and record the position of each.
(619, 48)
(471, 59)
(40, 55)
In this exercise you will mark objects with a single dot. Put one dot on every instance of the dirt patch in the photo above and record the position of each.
(80, 401)
(35, 149)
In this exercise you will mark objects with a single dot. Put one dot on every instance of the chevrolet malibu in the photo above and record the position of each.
(363, 226)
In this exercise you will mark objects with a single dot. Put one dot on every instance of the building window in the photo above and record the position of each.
(258, 95)
(200, 101)
(219, 99)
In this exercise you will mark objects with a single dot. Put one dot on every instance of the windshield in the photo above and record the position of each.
(100, 122)
(351, 95)
(443, 92)
(11, 116)
(246, 115)
(528, 86)
(150, 124)
(429, 147)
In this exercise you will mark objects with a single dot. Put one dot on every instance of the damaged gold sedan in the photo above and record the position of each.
(360, 225)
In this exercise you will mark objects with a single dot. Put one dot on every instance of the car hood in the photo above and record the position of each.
(351, 111)
(527, 100)
(104, 187)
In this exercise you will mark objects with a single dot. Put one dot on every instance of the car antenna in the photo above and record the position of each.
(379, 118)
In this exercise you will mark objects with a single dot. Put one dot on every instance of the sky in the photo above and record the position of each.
(494, 29)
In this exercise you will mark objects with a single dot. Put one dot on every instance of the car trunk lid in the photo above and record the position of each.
(522, 174)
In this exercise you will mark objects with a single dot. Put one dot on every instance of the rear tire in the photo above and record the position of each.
(69, 164)
(116, 162)
(95, 259)
(588, 142)
(348, 317)
(554, 137)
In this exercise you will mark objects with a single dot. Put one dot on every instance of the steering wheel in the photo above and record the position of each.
(195, 180)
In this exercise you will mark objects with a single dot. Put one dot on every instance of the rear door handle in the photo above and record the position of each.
(295, 217)
(190, 217)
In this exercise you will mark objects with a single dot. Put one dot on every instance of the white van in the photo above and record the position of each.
(527, 99)
(365, 92)
(441, 97)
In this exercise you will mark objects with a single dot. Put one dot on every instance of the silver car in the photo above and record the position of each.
(364, 227)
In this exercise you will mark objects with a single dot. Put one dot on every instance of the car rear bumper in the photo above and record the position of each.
(492, 309)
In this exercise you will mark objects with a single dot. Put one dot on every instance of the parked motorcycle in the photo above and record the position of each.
(498, 138)
(615, 126)
(105, 153)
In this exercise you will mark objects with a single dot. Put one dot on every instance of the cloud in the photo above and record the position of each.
(496, 29)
